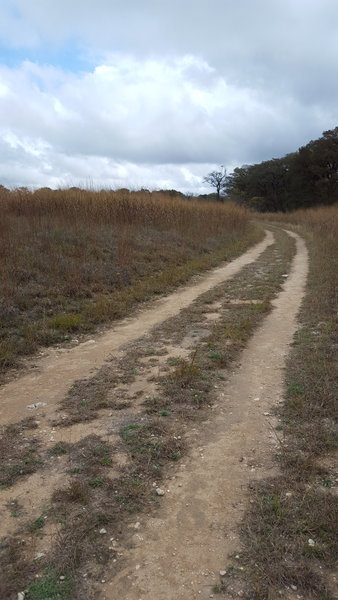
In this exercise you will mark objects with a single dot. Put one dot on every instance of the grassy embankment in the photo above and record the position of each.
(71, 260)
(290, 529)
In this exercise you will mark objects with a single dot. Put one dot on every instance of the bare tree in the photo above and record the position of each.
(217, 180)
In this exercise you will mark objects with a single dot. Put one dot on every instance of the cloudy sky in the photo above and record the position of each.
(156, 93)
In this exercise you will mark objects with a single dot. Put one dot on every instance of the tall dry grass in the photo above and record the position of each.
(70, 259)
(321, 220)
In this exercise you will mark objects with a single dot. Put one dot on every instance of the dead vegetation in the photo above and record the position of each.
(19, 452)
(93, 506)
(71, 260)
(291, 532)
(86, 397)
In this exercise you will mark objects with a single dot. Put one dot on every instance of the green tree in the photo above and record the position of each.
(303, 178)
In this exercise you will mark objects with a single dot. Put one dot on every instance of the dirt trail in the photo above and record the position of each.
(179, 553)
(56, 372)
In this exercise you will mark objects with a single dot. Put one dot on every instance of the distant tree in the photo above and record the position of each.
(300, 179)
(217, 180)
(172, 193)
(318, 164)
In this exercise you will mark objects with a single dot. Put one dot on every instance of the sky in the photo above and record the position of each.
(158, 93)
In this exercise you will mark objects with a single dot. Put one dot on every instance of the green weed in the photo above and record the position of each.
(37, 524)
(51, 587)
(96, 482)
(66, 322)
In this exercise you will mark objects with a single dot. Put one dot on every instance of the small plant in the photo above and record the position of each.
(165, 413)
(153, 405)
(58, 449)
(186, 371)
(51, 587)
(75, 470)
(174, 361)
(219, 589)
(133, 508)
(327, 483)
(136, 482)
(101, 450)
(14, 507)
(31, 460)
(175, 455)
(77, 491)
(129, 432)
(295, 388)
(37, 524)
(96, 482)
(214, 355)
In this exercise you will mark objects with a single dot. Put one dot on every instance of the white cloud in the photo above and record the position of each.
(171, 88)
(141, 112)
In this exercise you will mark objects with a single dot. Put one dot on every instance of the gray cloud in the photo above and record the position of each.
(170, 88)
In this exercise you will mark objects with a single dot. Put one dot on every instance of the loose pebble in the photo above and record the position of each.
(39, 555)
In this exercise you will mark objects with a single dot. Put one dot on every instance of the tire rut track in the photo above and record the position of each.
(188, 542)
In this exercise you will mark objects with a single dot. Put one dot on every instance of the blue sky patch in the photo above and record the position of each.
(68, 57)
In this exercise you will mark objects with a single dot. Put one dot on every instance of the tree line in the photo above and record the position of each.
(298, 180)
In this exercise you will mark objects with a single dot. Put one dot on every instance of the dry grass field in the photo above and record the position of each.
(72, 259)
(77, 478)
(292, 522)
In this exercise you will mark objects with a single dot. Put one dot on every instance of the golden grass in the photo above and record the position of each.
(71, 259)
(321, 220)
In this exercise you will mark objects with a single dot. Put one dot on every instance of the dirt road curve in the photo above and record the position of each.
(60, 368)
(180, 552)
